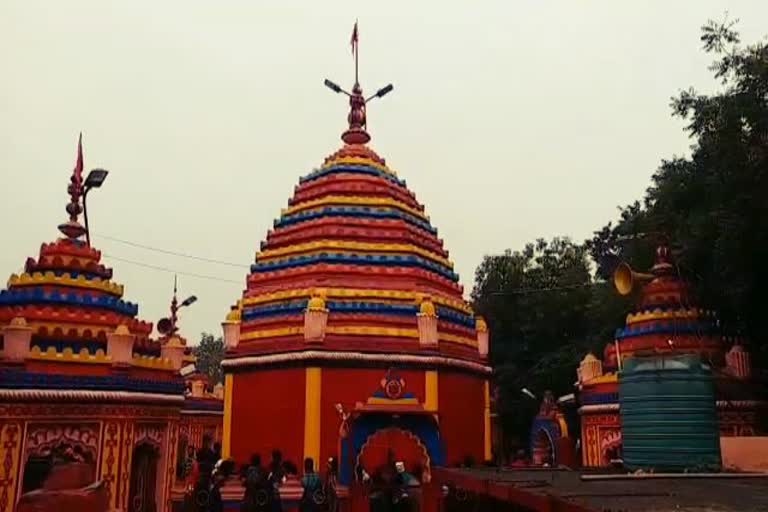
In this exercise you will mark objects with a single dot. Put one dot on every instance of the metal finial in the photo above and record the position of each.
(72, 228)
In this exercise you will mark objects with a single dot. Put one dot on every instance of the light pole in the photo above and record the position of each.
(94, 180)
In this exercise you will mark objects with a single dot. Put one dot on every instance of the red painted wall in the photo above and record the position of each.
(461, 400)
(348, 386)
(268, 414)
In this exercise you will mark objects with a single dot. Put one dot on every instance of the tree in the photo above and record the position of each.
(712, 205)
(535, 302)
(210, 353)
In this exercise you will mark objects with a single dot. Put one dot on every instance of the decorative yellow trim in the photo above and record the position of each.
(608, 378)
(226, 441)
(152, 362)
(312, 393)
(358, 161)
(563, 425)
(66, 279)
(69, 356)
(359, 201)
(374, 400)
(487, 422)
(271, 333)
(658, 314)
(431, 397)
(340, 245)
(350, 293)
(355, 331)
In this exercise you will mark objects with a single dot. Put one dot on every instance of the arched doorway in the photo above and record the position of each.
(393, 444)
(543, 450)
(143, 491)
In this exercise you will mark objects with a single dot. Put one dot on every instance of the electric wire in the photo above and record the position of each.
(172, 253)
(171, 271)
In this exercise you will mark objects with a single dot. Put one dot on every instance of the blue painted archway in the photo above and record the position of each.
(423, 426)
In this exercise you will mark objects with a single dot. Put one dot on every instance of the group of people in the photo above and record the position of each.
(391, 488)
(262, 485)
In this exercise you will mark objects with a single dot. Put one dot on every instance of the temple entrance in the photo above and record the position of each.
(543, 451)
(144, 479)
(390, 445)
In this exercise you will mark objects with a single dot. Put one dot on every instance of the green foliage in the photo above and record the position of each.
(538, 304)
(209, 354)
(544, 308)
(712, 205)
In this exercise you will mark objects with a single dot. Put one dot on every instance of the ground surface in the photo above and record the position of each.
(647, 495)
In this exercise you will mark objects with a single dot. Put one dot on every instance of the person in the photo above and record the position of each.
(519, 461)
(331, 485)
(206, 463)
(257, 488)
(404, 494)
(276, 478)
(312, 496)
(221, 472)
(217, 450)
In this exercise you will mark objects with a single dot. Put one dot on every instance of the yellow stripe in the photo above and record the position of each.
(358, 201)
(49, 278)
(355, 331)
(662, 315)
(226, 441)
(431, 397)
(359, 161)
(356, 293)
(487, 422)
(315, 247)
(312, 392)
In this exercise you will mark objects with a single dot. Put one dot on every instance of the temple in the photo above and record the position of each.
(83, 381)
(352, 339)
(666, 328)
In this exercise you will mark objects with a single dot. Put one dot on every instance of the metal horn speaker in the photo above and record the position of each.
(625, 279)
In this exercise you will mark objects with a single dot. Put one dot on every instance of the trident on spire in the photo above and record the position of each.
(167, 326)
(357, 134)
(72, 228)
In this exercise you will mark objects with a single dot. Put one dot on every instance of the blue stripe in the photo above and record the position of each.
(353, 169)
(15, 379)
(354, 211)
(599, 398)
(23, 296)
(354, 259)
(297, 307)
(667, 328)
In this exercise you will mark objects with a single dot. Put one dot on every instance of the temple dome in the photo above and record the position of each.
(67, 295)
(354, 231)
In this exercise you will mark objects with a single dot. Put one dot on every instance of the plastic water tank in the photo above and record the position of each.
(668, 414)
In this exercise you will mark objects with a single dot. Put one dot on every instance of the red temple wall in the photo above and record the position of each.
(268, 414)
(461, 402)
(348, 386)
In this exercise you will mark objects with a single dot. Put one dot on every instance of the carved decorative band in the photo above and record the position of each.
(66, 395)
(355, 357)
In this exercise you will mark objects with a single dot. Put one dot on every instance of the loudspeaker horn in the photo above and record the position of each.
(625, 279)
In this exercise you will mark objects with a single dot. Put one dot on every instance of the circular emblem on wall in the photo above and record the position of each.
(393, 389)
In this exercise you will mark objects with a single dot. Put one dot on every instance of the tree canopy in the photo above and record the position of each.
(550, 303)
(210, 353)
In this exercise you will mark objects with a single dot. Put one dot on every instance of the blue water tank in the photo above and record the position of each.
(668, 414)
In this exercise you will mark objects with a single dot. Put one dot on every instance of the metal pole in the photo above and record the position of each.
(85, 216)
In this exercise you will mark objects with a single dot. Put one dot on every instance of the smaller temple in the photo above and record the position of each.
(666, 325)
(81, 380)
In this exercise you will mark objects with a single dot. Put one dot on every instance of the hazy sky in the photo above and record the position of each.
(510, 120)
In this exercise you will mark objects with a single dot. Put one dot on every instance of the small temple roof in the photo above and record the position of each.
(67, 296)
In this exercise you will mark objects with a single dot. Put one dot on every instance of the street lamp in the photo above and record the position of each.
(94, 179)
